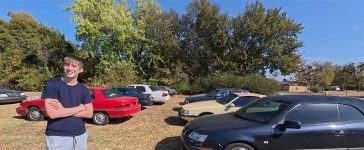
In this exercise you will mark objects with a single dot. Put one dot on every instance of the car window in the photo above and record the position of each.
(141, 88)
(242, 101)
(120, 90)
(261, 111)
(154, 88)
(132, 90)
(111, 93)
(349, 113)
(314, 114)
(212, 93)
(226, 99)
(92, 93)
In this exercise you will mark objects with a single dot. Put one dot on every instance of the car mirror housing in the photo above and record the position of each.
(227, 107)
(291, 124)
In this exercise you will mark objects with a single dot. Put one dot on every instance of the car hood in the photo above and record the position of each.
(201, 105)
(220, 122)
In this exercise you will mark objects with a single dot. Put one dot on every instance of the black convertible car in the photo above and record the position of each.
(11, 96)
(282, 123)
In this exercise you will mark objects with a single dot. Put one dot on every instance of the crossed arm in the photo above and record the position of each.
(55, 109)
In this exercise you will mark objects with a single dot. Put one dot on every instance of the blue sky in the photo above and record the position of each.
(333, 29)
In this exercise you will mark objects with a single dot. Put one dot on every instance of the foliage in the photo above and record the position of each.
(260, 84)
(30, 53)
(315, 89)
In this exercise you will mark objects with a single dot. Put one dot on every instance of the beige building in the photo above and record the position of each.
(293, 86)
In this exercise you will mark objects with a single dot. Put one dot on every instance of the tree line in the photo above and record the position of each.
(139, 42)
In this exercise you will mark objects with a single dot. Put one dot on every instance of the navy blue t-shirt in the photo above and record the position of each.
(68, 96)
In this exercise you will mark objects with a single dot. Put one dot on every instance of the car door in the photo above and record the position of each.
(354, 121)
(320, 129)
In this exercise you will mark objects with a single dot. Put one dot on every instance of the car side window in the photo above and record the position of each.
(309, 114)
(242, 101)
(92, 93)
(349, 113)
(142, 88)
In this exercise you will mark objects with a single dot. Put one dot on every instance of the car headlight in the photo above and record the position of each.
(184, 112)
(3, 95)
(22, 94)
(197, 137)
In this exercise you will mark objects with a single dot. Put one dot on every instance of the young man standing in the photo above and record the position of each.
(66, 102)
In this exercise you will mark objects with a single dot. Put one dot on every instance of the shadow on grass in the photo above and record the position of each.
(176, 109)
(175, 121)
(8, 103)
(181, 103)
(158, 103)
(169, 143)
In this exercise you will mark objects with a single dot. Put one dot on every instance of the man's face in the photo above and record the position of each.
(72, 69)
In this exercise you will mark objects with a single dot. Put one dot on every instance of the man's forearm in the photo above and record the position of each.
(83, 114)
(66, 112)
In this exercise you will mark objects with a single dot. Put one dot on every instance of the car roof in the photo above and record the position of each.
(300, 99)
(249, 94)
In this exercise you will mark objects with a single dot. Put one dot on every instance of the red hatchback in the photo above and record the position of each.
(107, 103)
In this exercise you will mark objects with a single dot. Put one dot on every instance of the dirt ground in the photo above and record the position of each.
(155, 127)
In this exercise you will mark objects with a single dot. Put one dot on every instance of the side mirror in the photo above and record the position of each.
(291, 124)
(227, 107)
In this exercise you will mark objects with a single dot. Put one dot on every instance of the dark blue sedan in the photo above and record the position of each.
(282, 123)
(143, 99)
(213, 95)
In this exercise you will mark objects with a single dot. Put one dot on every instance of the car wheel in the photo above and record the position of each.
(238, 146)
(100, 118)
(34, 114)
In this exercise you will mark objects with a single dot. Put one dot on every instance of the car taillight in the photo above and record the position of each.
(164, 94)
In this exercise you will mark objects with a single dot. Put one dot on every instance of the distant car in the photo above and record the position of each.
(11, 96)
(157, 94)
(143, 99)
(229, 103)
(171, 91)
(213, 95)
(282, 123)
(107, 104)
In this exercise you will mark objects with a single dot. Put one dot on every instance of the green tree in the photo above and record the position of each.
(30, 53)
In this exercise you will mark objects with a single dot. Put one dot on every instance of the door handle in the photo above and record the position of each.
(339, 132)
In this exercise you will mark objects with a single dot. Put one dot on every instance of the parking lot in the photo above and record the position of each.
(155, 127)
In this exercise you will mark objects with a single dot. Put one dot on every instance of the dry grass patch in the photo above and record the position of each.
(155, 127)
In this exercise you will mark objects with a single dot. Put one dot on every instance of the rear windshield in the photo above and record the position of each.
(111, 93)
(154, 88)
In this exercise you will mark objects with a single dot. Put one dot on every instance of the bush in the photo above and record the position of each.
(315, 89)
(260, 84)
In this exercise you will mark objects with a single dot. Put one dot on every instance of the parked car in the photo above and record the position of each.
(229, 103)
(143, 99)
(107, 104)
(213, 95)
(11, 96)
(171, 91)
(282, 123)
(157, 94)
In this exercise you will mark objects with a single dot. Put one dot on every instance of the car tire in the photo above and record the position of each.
(100, 118)
(238, 146)
(34, 114)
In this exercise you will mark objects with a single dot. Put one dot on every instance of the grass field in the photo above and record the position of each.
(156, 127)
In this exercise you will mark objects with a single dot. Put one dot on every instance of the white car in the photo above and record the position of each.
(157, 94)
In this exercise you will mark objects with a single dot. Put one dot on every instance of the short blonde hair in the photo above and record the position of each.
(74, 59)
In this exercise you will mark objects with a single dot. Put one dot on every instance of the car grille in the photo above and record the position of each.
(13, 94)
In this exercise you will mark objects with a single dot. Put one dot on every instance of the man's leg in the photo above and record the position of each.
(81, 142)
(59, 142)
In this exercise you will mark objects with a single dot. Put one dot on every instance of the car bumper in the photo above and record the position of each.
(22, 111)
(124, 112)
(188, 144)
(145, 102)
(11, 99)
(162, 99)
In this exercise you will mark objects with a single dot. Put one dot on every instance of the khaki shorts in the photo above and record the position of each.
(67, 142)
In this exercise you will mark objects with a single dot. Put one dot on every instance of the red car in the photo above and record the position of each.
(107, 103)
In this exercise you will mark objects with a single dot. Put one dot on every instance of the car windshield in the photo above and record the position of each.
(109, 93)
(135, 90)
(162, 87)
(226, 99)
(212, 93)
(261, 111)
(154, 88)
